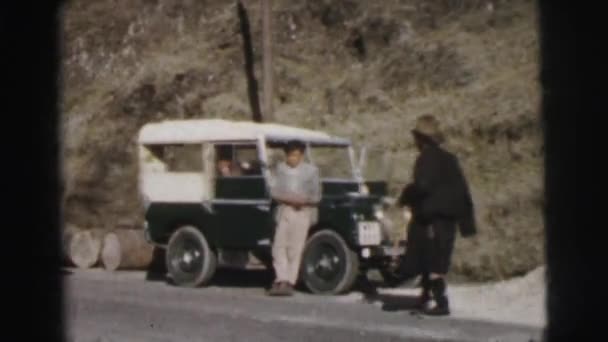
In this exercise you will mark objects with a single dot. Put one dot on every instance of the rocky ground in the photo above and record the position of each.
(520, 300)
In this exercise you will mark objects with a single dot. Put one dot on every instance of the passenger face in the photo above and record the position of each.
(223, 166)
(294, 158)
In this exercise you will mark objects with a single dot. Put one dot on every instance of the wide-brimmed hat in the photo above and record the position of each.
(427, 126)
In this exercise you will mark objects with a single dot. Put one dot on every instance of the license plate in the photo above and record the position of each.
(369, 233)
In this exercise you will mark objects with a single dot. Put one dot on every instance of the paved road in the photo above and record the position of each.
(124, 306)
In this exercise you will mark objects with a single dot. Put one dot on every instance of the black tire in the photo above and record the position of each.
(190, 260)
(329, 266)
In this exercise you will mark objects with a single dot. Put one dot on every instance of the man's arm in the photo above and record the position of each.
(277, 193)
(409, 196)
(273, 184)
(420, 187)
(280, 197)
(311, 197)
(426, 174)
(467, 224)
(289, 200)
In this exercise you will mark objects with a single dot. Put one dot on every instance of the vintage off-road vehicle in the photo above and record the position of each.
(199, 212)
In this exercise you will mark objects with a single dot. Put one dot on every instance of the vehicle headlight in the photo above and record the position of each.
(370, 233)
(378, 212)
(366, 253)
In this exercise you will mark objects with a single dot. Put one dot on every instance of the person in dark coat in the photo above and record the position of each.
(440, 201)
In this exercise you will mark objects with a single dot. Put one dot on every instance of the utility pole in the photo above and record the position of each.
(252, 83)
(267, 65)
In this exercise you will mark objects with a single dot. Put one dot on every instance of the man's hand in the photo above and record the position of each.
(407, 214)
(300, 203)
(296, 202)
(293, 203)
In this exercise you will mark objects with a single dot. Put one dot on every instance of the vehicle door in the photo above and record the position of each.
(241, 203)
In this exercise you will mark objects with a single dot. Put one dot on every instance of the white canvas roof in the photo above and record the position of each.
(196, 131)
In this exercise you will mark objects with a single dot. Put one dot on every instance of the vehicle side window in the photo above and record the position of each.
(333, 162)
(237, 161)
(275, 157)
(183, 158)
(247, 159)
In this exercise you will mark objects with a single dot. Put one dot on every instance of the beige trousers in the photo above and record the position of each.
(289, 240)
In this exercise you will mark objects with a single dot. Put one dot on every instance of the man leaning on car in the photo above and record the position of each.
(297, 189)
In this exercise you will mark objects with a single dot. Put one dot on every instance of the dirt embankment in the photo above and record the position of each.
(363, 69)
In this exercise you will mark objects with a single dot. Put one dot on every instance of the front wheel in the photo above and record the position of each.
(190, 260)
(329, 266)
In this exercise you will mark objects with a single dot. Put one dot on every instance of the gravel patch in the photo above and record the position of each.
(518, 300)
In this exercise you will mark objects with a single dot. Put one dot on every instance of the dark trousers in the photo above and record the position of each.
(429, 248)
(439, 247)
(436, 258)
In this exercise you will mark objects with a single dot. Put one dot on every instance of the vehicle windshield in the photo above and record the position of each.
(375, 163)
(333, 161)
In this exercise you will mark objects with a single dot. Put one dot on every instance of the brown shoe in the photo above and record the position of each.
(275, 290)
(284, 289)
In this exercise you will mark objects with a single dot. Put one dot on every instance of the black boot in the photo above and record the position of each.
(425, 296)
(442, 307)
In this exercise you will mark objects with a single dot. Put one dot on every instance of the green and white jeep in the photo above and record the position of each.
(203, 217)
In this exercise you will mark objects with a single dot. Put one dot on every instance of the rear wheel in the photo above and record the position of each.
(329, 266)
(190, 260)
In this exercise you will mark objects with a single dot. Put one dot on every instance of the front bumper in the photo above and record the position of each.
(382, 251)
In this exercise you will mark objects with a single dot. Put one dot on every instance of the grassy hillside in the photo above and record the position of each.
(363, 69)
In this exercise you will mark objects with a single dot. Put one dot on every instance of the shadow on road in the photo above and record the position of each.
(398, 303)
(157, 270)
(369, 289)
(226, 277)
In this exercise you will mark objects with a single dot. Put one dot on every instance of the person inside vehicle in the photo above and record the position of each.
(440, 200)
(296, 187)
(225, 165)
